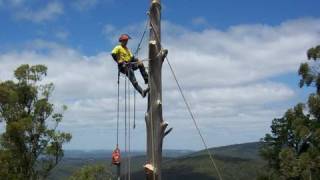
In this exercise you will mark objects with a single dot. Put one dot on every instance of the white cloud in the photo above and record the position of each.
(13, 3)
(88, 4)
(235, 97)
(243, 54)
(108, 28)
(199, 21)
(62, 35)
(225, 76)
(84, 4)
(49, 12)
(110, 32)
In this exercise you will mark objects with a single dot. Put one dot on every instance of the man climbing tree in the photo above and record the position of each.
(293, 149)
(127, 63)
(31, 146)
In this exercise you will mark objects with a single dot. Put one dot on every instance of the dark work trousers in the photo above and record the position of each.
(129, 68)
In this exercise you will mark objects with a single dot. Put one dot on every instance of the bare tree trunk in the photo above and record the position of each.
(156, 126)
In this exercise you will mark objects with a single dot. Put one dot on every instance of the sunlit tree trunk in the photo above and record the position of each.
(156, 126)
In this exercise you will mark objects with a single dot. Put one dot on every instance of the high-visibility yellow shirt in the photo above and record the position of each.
(124, 54)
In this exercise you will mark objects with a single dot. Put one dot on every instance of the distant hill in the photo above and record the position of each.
(240, 162)
(235, 162)
(75, 159)
(96, 154)
(245, 150)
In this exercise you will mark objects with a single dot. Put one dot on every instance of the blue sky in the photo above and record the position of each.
(237, 61)
(82, 22)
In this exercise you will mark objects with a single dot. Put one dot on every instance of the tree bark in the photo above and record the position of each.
(155, 124)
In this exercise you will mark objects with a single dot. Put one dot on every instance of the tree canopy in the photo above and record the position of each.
(293, 147)
(31, 145)
(92, 172)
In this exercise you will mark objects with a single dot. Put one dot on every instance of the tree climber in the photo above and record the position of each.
(127, 63)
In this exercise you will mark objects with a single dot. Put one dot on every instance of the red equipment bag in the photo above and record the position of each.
(116, 156)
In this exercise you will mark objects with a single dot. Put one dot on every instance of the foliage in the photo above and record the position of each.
(309, 71)
(293, 147)
(31, 145)
(92, 172)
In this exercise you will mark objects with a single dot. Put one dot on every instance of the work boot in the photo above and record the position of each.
(139, 89)
(144, 93)
(145, 79)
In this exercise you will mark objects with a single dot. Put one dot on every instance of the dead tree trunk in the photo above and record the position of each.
(156, 126)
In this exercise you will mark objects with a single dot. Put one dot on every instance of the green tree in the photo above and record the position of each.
(92, 172)
(292, 150)
(309, 71)
(31, 145)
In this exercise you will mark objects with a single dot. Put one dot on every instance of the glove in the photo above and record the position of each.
(140, 63)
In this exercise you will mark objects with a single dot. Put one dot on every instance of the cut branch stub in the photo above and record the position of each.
(167, 132)
(163, 54)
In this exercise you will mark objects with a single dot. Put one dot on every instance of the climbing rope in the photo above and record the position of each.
(125, 128)
(134, 109)
(127, 167)
(188, 106)
(141, 39)
(118, 108)
(194, 121)
(127, 109)
(129, 125)
(116, 152)
(136, 53)
(128, 148)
